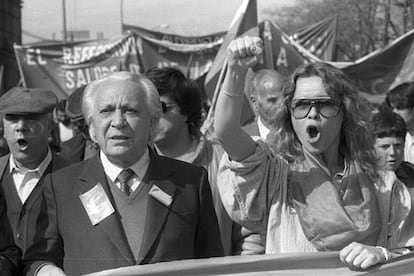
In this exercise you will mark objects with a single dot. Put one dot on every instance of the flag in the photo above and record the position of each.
(244, 23)
(382, 70)
(319, 38)
(280, 52)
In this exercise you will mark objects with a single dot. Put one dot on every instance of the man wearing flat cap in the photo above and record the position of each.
(27, 122)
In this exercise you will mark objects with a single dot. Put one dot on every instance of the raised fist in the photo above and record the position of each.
(244, 52)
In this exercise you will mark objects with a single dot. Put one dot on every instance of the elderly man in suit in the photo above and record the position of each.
(265, 88)
(27, 121)
(127, 205)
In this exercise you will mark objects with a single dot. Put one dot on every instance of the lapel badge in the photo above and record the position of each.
(160, 195)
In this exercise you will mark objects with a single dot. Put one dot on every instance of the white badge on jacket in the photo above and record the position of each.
(97, 204)
(157, 193)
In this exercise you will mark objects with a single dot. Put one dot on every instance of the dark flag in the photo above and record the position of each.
(244, 23)
(319, 38)
(382, 70)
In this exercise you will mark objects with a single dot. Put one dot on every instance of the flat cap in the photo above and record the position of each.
(20, 100)
(74, 104)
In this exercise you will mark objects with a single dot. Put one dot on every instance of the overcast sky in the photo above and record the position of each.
(43, 18)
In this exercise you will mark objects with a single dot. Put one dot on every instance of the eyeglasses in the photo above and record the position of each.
(327, 107)
(166, 107)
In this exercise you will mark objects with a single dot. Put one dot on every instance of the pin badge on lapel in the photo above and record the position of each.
(160, 195)
(97, 204)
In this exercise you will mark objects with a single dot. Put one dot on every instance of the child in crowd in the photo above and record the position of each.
(394, 190)
(401, 100)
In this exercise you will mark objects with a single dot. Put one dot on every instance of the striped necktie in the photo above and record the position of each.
(123, 178)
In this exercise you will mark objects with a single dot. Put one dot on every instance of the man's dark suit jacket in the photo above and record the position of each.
(10, 254)
(77, 149)
(23, 217)
(185, 229)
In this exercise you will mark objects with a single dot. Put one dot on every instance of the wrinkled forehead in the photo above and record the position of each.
(311, 87)
(113, 89)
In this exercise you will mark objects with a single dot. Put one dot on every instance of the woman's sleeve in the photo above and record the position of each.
(249, 187)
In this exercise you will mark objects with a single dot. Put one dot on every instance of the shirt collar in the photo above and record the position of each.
(139, 168)
(40, 169)
(263, 130)
(409, 139)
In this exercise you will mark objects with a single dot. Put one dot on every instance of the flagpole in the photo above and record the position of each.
(64, 20)
(209, 118)
(19, 65)
(122, 13)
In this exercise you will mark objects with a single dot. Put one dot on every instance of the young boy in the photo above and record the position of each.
(401, 100)
(395, 194)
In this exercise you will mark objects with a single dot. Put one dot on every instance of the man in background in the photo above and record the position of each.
(80, 147)
(265, 89)
(401, 100)
(27, 121)
(179, 137)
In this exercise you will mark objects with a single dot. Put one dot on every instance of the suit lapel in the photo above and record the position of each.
(157, 212)
(111, 225)
(4, 161)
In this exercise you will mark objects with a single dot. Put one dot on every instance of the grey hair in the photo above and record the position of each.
(151, 94)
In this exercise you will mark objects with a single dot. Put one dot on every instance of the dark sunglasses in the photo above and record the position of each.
(166, 106)
(327, 107)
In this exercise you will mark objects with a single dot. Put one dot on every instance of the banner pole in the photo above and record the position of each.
(207, 126)
(19, 65)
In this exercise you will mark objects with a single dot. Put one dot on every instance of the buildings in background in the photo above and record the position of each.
(10, 33)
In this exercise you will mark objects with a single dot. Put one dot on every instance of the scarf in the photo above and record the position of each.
(334, 213)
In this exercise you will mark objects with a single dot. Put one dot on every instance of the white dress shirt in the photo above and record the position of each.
(409, 148)
(139, 168)
(25, 180)
(263, 130)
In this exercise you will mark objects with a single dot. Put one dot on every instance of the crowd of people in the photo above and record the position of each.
(119, 174)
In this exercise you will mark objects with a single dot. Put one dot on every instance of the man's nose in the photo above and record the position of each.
(393, 150)
(21, 124)
(118, 119)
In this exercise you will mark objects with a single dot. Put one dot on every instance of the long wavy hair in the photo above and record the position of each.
(356, 139)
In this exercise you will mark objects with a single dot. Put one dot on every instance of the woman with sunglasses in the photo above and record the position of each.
(311, 185)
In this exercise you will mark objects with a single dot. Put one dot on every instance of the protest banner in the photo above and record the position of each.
(317, 263)
(382, 70)
(280, 51)
(64, 67)
(192, 55)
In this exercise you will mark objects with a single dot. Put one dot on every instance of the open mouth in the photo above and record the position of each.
(313, 134)
(22, 143)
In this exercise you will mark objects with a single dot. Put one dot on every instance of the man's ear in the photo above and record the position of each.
(92, 133)
(253, 99)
